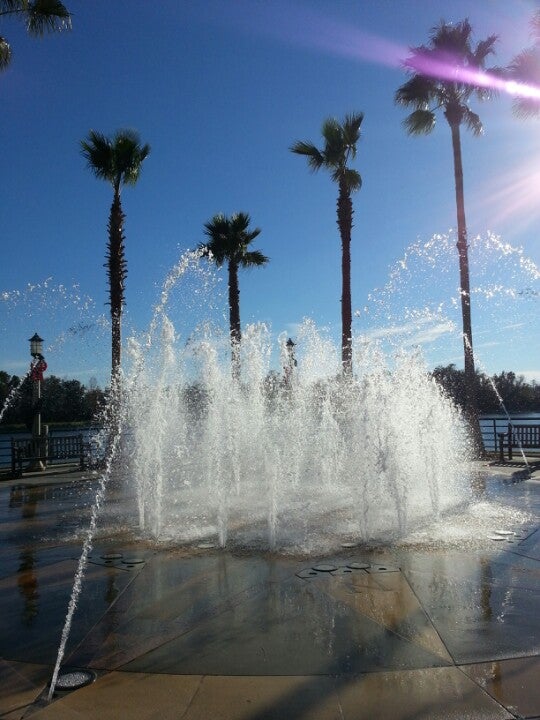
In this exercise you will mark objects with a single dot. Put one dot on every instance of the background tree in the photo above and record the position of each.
(515, 392)
(62, 400)
(228, 242)
(443, 75)
(339, 147)
(525, 69)
(39, 16)
(118, 160)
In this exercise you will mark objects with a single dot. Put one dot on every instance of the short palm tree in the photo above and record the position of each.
(525, 69)
(39, 16)
(118, 160)
(228, 242)
(339, 147)
(443, 75)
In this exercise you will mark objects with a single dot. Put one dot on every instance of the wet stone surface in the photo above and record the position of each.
(219, 612)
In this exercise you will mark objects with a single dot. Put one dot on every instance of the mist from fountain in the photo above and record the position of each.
(293, 463)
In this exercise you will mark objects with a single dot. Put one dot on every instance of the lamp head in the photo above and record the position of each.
(36, 345)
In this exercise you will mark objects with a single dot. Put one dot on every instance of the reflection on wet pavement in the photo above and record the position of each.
(457, 624)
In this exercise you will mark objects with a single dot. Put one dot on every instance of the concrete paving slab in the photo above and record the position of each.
(126, 695)
(513, 683)
(428, 694)
(434, 694)
(20, 685)
(480, 607)
(294, 628)
(450, 632)
(387, 599)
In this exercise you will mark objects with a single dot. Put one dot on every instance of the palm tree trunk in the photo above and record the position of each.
(234, 318)
(116, 272)
(471, 401)
(344, 222)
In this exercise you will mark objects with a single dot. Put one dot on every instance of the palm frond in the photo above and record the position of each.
(5, 53)
(229, 238)
(473, 122)
(452, 38)
(420, 122)
(118, 160)
(351, 129)
(332, 131)
(335, 146)
(128, 155)
(210, 252)
(525, 67)
(313, 154)
(535, 26)
(526, 108)
(441, 78)
(483, 50)
(44, 16)
(351, 178)
(253, 258)
(418, 91)
(239, 223)
(13, 6)
(340, 145)
(97, 151)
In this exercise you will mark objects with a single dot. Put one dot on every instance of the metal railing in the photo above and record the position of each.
(45, 448)
(493, 425)
(58, 444)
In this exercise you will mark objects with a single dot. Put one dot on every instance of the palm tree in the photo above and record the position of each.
(39, 16)
(117, 160)
(339, 147)
(445, 75)
(525, 69)
(228, 242)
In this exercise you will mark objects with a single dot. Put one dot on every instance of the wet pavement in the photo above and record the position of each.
(404, 632)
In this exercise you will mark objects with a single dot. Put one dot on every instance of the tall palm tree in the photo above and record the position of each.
(339, 147)
(443, 75)
(228, 242)
(118, 160)
(525, 69)
(39, 16)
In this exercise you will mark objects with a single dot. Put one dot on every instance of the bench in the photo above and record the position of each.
(525, 437)
(46, 449)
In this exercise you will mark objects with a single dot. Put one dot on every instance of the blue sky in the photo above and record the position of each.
(220, 90)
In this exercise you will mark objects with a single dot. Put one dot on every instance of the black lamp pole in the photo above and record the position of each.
(36, 347)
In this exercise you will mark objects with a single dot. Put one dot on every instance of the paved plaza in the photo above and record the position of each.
(397, 632)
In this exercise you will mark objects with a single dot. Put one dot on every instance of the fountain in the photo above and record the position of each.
(288, 461)
(296, 464)
(300, 462)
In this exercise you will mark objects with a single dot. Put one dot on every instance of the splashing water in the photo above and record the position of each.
(290, 467)
(63, 315)
(503, 408)
(111, 437)
(288, 464)
(12, 396)
(114, 434)
(504, 283)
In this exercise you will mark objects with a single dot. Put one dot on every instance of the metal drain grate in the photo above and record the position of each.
(74, 679)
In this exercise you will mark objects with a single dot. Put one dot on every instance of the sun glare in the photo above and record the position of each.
(308, 28)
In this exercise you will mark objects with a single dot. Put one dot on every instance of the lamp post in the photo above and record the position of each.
(37, 368)
(291, 362)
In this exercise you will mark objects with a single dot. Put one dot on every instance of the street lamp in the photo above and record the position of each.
(37, 368)
(291, 361)
(36, 345)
